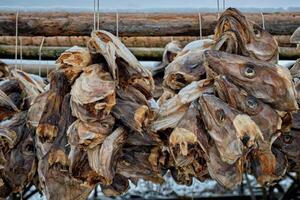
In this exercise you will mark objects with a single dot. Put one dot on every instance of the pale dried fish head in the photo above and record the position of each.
(233, 132)
(36, 109)
(90, 134)
(122, 64)
(198, 45)
(93, 84)
(75, 57)
(266, 81)
(185, 69)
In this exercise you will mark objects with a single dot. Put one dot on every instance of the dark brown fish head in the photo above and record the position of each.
(262, 114)
(233, 132)
(21, 165)
(233, 19)
(288, 143)
(269, 82)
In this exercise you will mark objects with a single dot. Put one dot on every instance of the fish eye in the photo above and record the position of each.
(29, 149)
(256, 32)
(220, 115)
(249, 71)
(251, 102)
(287, 139)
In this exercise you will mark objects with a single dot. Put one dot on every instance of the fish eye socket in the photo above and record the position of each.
(252, 102)
(29, 149)
(287, 139)
(220, 115)
(249, 71)
(256, 32)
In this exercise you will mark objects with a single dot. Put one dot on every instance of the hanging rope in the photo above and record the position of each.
(200, 26)
(40, 57)
(98, 15)
(117, 24)
(94, 14)
(16, 47)
(263, 20)
(21, 54)
(218, 5)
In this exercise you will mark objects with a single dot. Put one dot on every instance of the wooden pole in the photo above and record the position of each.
(146, 54)
(134, 24)
(149, 42)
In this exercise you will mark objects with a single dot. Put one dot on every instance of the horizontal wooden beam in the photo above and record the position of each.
(52, 53)
(133, 24)
(149, 42)
(147, 54)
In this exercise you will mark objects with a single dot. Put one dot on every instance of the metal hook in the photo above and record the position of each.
(200, 25)
(16, 47)
(40, 57)
(263, 20)
(117, 24)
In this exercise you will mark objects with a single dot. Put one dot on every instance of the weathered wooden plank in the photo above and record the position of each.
(149, 42)
(134, 24)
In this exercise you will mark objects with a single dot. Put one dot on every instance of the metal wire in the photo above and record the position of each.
(224, 5)
(21, 54)
(218, 5)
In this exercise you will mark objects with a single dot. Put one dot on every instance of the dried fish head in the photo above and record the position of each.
(36, 109)
(227, 175)
(262, 114)
(21, 162)
(233, 19)
(90, 134)
(269, 82)
(198, 44)
(171, 51)
(184, 69)
(93, 94)
(76, 57)
(233, 132)
(122, 64)
(259, 43)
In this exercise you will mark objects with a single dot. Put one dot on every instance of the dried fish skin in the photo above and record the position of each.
(36, 109)
(132, 109)
(103, 158)
(184, 69)
(233, 132)
(134, 164)
(123, 66)
(47, 129)
(90, 134)
(173, 109)
(268, 82)
(198, 45)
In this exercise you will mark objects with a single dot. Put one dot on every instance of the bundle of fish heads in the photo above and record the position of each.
(214, 109)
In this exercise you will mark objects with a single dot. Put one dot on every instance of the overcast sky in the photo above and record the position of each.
(148, 4)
